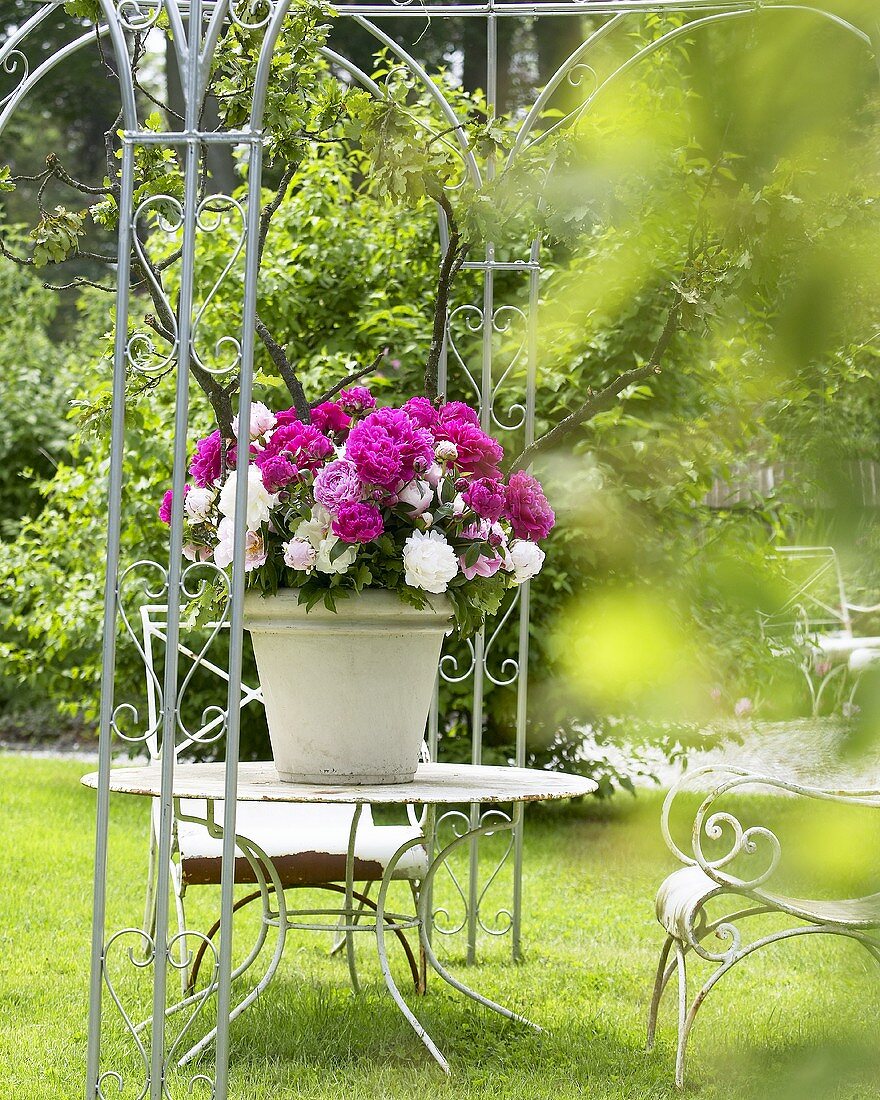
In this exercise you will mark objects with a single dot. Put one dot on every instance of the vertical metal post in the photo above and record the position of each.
(108, 651)
(522, 683)
(486, 421)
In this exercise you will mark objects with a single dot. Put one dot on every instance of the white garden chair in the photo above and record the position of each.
(733, 880)
(817, 626)
(307, 844)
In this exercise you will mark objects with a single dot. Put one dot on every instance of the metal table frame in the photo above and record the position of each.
(435, 784)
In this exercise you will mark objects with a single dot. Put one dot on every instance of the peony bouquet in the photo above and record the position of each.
(410, 499)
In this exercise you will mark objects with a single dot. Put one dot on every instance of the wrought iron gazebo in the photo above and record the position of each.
(195, 27)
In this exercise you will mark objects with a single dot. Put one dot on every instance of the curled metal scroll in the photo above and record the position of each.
(211, 213)
(139, 15)
(509, 670)
(471, 317)
(141, 352)
(450, 669)
(143, 959)
(153, 593)
(15, 60)
(460, 825)
(214, 718)
(502, 320)
(503, 918)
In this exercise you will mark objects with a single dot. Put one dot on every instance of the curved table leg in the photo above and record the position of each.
(424, 895)
(439, 859)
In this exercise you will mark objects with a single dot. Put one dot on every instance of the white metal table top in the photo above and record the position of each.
(433, 784)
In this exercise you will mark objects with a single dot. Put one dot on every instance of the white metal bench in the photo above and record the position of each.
(735, 879)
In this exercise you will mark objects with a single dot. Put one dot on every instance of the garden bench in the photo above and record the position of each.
(725, 880)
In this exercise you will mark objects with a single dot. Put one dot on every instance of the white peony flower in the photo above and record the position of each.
(259, 503)
(429, 561)
(254, 547)
(459, 507)
(197, 503)
(340, 564)
(418, 495)
(445, 451)
(524, 559)
(433, 474)
(316, 532)
(262, 420)
(299, 554)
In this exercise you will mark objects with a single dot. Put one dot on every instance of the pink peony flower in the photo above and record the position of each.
(742, 707)
(477, 453)
(278, 472)
(205, 463)
(483, 567)
(531, 517)
(338, 483)
(418, 495)
(262, 420)
(387, 448)
(422, 413)
(356, 400)
(166, 505)
(357, 523)
(299, 554)
(485, 497)
(302, 444)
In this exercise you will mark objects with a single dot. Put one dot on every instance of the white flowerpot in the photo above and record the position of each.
(347, 694)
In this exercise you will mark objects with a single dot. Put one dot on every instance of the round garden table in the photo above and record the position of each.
(434, 785)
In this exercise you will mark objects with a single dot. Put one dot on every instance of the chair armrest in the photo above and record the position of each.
(758, 841)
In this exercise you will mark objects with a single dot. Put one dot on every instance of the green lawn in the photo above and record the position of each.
(797, 1021)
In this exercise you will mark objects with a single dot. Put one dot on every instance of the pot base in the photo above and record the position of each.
(337, 779)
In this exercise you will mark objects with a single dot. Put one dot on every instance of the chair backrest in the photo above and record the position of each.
(818, 602)
(154, 621)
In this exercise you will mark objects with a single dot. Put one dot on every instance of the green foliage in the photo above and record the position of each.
(56, 236)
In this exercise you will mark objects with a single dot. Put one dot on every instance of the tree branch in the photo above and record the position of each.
(361, 372)
(605, 398)
(288, 374)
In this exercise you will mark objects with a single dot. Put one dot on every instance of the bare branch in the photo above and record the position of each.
(605, 398)
(361, 372)
(78, 282)
(269, 210)
(57, 169)
(22, 261)
(279, 357)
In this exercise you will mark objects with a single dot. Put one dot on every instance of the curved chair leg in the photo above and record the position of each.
(422, 983)
(659, 986)
(362, 899)
(684, 1020)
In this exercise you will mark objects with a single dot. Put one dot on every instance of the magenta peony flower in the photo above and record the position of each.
(356, 522)
(485, 497)
(205, 463)
(387, 448)
(457, 411)
(302, 444)
(338, 483)
(422, 413)
(477, 453)
(356, 400)
(278, 472)
(167, 502)
(165, 507)
(330, 417)
(531, 517)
